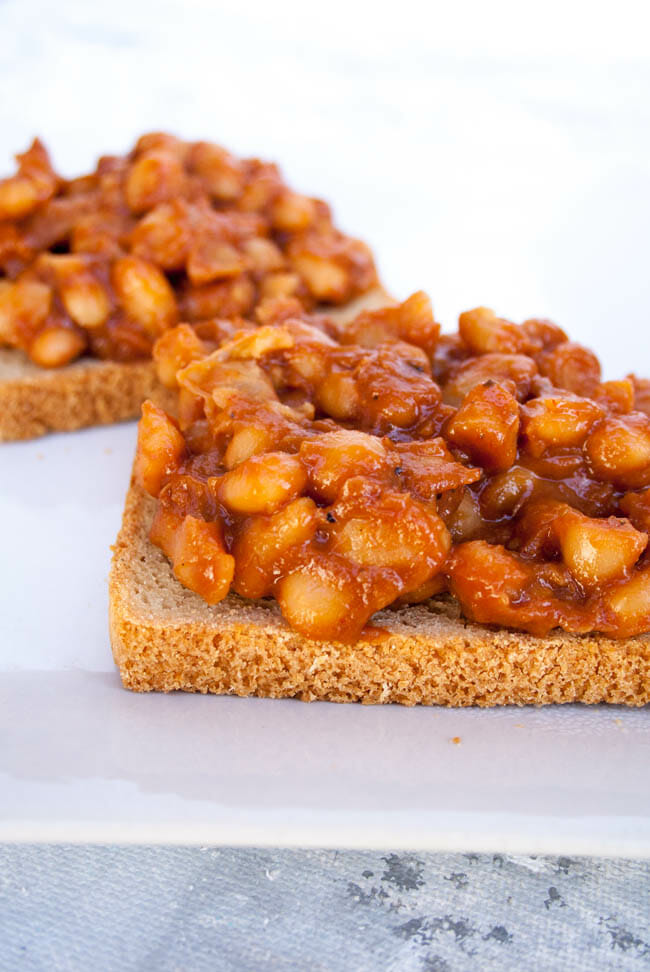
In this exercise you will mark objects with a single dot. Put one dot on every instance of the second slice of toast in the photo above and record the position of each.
(35, 401)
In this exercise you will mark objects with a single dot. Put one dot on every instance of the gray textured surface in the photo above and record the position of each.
(140, 908)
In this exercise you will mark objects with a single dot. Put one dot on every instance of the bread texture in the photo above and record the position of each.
(165, 637)
(89, 392)
(35, 401)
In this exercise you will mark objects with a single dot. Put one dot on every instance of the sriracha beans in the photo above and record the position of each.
(106, 263)
(327, 467)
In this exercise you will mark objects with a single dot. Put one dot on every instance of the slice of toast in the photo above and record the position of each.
(165, 637)
(35, 401)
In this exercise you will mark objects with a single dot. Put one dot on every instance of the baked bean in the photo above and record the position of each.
(86, 301)
(33, 184)
(291, 212)
(262, 186)
(219, 171)
(396, 532)
(324, 277)
(154, 141)
(246, 442)
(320, 602)
(265, 541)
(163, 235)
(24, 307)
(490, 367)
(597, 551)
(637, 507)
(506, 492)
(174, 350)
(160, 448)
(18, 197)
(263, 256)
(224, 298)
(486, 426)
(334, 457)
(145, 294)
(557, 421)
(337, 395)
(201, 561)
(484, 333)
(571, 366)
(329, 263)
(155, 177)
(213, 259)
(616, 396)
(619, 450)
(411, 321)
(280, 285)
(630, 602)
(395, 389)
(261, 484)
(55, 346)
(541, 334)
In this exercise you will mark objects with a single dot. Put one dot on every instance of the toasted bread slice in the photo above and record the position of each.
(165, 637)
(35, 401)
(89, 392)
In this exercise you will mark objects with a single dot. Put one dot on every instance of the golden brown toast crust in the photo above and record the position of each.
(34, 401)
(89, 392)
(165, 637)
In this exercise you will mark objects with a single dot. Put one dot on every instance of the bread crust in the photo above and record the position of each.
(164, 637)
(35, 401)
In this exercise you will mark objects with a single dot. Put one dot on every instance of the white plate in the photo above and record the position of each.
(81, 759)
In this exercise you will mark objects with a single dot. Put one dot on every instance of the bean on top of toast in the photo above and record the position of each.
(103, 264)
(341, 470)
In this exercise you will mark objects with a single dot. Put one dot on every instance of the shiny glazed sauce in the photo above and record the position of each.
(105, 263)
(344, 470)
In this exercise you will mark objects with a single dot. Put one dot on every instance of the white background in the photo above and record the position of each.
(496, 153)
